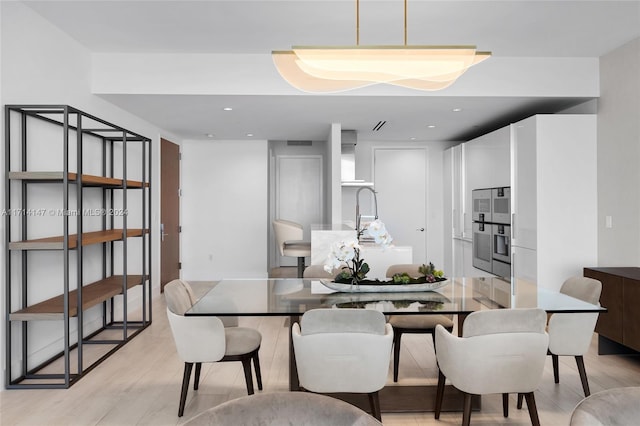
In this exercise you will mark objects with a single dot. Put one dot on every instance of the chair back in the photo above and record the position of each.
(571, 334)
(179, 296)
(318, 272)
(501, 351)
(342, 350)
(583, 288)
(197, 339)
(284, 408)
(617, 406)
(285, 230)
(410, 268)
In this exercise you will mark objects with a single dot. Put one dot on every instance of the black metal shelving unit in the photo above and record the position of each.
(103, 222)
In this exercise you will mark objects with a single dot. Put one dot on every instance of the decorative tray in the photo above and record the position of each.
(382, 287)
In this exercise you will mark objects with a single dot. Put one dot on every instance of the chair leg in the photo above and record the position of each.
(196, 380)
(505, 404)
(374, 401)
(520, 398)
(397, 336)
(300, 267)
(583, 375)
(466, 416)
(439, 394)
(556, 372)
(248, 377)
(185, 387)
(533, 410)
(256, 365)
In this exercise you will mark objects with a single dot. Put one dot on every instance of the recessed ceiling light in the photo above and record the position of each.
(431, 126)
(227, 109)
(210, 135)
(456, 109)
(412, 138)
(250, 134)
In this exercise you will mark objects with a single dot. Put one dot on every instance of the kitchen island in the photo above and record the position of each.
(378, 258)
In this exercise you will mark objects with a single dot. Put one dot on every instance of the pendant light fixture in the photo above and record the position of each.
(320, 69)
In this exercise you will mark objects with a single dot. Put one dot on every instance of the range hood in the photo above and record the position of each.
(348, 160)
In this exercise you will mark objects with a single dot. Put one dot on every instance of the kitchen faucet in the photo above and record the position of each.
(358, 216)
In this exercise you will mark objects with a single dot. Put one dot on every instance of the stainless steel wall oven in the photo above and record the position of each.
(492, 230)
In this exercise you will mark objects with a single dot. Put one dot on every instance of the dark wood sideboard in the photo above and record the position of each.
(618, 329)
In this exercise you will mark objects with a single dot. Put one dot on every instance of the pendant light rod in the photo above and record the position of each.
(405, 22)
(357, 22)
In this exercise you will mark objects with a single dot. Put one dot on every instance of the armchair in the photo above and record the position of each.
(289, 240)
(416, 324)
(501, 351)
(343, 350)
(205, 339)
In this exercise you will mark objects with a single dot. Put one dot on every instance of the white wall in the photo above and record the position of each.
(224, 209)
(41, 64)
(619, 157)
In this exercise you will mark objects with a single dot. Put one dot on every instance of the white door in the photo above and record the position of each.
(400, 184)
(298, 189)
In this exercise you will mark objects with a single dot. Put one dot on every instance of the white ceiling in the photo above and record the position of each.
(506, 28)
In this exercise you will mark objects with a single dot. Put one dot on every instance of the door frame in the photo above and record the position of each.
(163, 143)
(426, 181)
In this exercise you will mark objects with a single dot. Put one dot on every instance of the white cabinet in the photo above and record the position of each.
(554, 197)
(486, 162)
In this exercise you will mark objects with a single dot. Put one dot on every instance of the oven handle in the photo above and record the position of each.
(513, 226)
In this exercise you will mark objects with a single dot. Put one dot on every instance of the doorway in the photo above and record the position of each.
(169, 212)
(400, 184)
(298, 190)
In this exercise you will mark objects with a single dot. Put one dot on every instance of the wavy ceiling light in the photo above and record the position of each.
(321, 69)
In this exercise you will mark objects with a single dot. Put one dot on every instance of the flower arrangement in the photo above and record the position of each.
(348, 253)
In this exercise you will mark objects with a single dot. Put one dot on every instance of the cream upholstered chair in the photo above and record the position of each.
(318, 272)
(571, 334)
(343, 350)
(618, 406)
(422, 324)
(289, 240)
(284, 408)
(205, 339)
(501, 351)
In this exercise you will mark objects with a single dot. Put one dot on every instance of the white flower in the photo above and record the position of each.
(341, 252)
(384, 240)
(376, 228)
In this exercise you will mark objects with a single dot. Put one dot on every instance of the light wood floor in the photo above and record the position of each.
(140, 384)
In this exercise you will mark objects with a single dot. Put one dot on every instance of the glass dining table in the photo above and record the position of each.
(292, 297)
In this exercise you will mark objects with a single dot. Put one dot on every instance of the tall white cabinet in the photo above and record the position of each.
(554, 197)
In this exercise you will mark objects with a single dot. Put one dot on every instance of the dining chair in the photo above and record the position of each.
(206, 339)
(284, 408)
(571, 334)
(617, 406)
(416, 324)
(343, 351)
(290, 243)
(501, 351)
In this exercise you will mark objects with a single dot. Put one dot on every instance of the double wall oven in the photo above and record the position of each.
(492, 230)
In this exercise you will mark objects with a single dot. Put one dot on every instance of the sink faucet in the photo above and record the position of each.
(358, 216)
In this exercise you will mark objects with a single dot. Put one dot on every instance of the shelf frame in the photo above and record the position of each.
(72, 303)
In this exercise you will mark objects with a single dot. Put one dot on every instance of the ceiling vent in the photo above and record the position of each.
(299, 143)
(378, 126)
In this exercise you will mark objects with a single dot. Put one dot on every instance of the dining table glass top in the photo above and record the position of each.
(295, 296)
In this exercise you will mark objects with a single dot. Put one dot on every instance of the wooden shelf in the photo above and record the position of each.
(88, 238)
(92, 294)
(87, 180)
